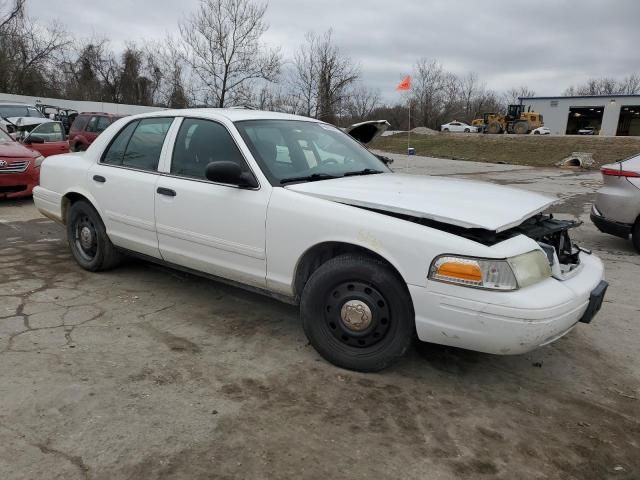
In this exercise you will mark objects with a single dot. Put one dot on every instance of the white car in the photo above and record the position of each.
(458, 127)
(588, 131)
(295, 208)
(541, 131)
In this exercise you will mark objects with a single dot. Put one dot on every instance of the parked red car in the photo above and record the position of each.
(86, 128)
(19, 168)
(47, 138)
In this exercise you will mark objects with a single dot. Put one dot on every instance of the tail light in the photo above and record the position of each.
(614, 172)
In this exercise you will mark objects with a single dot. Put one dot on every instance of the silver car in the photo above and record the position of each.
(617, 206)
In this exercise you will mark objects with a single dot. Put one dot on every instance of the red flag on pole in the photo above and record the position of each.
(405, 84)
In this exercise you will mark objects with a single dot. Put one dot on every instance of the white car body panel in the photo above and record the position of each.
(422, 196)
(258, 236)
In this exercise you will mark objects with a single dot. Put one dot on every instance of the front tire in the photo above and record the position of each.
(466, 130)
(357, 313)
(88, 240)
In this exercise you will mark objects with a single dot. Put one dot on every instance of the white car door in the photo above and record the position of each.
(455, 127)
(210, 227)
(123, 182)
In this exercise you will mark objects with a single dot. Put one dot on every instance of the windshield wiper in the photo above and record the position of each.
(308, 178)
(366, 171)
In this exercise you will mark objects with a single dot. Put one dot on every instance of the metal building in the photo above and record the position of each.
(608, 114)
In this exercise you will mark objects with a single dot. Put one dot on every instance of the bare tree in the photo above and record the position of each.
(9, 13)
(428, 92)
(513, 95)
(607, 86)
(335, 74)
(304, 77)
(361, 103)
(28, 54)
(222, 45)
(470, 90)
(630, 85)
(321, 77)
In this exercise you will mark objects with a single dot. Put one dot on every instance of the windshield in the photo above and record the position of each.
(8, 111)
(290, 150)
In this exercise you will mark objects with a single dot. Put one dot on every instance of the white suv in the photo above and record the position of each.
(297, 209)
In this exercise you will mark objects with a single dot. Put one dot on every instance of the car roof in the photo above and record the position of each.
(231, 114)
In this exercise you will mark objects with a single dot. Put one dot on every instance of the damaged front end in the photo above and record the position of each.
(550, 233)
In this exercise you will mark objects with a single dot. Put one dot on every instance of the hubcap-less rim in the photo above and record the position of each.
(85, 238)
(357, 314)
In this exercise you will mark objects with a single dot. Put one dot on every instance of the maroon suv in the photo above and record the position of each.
(86, 128)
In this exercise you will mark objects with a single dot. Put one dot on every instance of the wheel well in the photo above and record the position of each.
(68, 200)
(321, 253)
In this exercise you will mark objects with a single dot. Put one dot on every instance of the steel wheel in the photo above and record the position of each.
(85, 238)
(357, 314)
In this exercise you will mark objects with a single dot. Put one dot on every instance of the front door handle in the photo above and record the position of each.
(99, 178)
(166, 191)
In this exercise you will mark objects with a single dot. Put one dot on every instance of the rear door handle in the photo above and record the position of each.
(99, 178)
(166, 191)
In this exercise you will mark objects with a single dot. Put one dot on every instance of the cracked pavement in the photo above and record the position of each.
(146, 372)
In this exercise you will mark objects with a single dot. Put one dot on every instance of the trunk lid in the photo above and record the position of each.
(462, 203)
(366, 132)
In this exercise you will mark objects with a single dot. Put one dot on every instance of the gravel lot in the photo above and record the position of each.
(146, 373)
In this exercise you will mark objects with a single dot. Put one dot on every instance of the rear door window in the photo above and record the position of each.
(139, 144)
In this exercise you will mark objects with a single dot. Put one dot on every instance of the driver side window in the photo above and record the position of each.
(200, 142)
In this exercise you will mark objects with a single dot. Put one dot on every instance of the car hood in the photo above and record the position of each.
(15, 150)
(367, 132)
(464, 203)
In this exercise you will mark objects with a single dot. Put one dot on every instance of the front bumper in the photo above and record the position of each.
(505, 323)
(622, 230)
(16, 185)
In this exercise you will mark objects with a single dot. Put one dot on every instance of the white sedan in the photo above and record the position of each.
(541, 131)
(458, 127)
(295, 208)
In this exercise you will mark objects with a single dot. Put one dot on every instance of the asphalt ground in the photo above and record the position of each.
(146, 373)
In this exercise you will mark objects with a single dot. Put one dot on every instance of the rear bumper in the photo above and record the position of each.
(506, 323)
(16, 185)
(48, 202)
(622, 230)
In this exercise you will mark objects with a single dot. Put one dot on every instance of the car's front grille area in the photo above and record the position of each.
(18, 166)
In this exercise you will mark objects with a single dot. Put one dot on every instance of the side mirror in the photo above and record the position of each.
(34, 139)
(230, 173)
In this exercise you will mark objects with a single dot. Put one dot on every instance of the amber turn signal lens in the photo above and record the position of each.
(463, 271)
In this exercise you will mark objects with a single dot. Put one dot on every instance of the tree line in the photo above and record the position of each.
(218, 58)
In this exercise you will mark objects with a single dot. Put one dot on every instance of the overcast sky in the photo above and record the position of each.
(544, 44)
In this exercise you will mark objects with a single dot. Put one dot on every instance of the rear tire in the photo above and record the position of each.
(357, 313)
(466, 130)
(445, 130)
(635, 235)
(88, 240)
(536, 133)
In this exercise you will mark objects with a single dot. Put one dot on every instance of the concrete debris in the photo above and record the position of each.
(577, 160)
